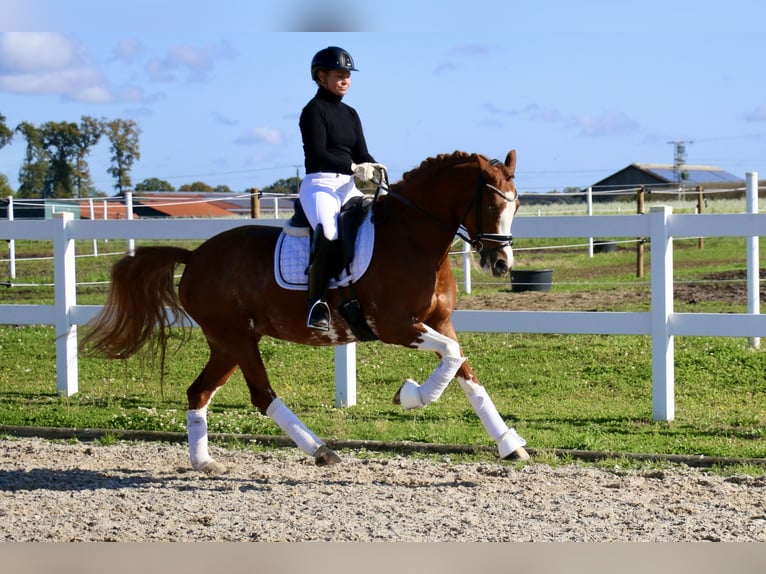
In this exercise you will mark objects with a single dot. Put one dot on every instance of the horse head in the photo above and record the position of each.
(496, 203)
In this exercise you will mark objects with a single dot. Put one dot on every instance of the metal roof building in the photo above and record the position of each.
(666, 177)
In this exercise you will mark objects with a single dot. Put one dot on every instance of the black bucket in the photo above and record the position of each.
(531, 280)
(604, 246)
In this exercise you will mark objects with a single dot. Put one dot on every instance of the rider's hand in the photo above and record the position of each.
(369, 171)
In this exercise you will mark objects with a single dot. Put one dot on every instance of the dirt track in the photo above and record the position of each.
(51, 491)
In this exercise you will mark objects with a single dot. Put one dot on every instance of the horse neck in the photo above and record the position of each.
(434, 208)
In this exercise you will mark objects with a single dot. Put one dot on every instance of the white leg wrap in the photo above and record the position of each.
(306, 440)
(508, 440)
(509, 443)
(409, 395)
(434, 386)
(196, 428)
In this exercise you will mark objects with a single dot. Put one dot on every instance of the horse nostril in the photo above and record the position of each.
(501, 267)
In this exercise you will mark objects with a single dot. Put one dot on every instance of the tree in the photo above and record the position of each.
(154, 184)
(6, 133)
(5, 187)
(34, 170)
(222, 189)
(196, 186)
(60, 142)
(123, 136)
(289, 185)
(90, 131)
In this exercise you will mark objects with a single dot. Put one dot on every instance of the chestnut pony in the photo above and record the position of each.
(406, 295)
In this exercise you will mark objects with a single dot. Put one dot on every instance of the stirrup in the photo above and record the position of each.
(319, 316)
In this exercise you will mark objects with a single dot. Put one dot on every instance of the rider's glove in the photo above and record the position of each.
(369, 171)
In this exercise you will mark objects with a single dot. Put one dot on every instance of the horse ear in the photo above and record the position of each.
(510, 161)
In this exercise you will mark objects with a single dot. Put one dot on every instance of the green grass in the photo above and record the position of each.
(558, 391)
(562, 392)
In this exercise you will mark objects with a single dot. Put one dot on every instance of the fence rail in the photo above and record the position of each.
(660, 226)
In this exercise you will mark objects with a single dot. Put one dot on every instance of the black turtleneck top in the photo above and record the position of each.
(332, 135)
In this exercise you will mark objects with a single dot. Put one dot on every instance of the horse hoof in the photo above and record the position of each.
(325, 456)
(518, 455)
(214, 468)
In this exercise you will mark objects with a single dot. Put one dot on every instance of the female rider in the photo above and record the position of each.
(335, 151)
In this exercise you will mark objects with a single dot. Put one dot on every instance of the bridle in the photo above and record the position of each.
(477, 242)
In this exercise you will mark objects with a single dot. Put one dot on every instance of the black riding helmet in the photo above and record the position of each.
(331, 58)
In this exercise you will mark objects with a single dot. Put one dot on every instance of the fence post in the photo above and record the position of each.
(345, 375)
(92, 215)
(255, 203)
(129, 216)
(640, 243)
(753, 248)
(11, 244)
(467, 266)
(663, 351)
(589, 211)
(700, 210)
(64, 300)
(106, 216)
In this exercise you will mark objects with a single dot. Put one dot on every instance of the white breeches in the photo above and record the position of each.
(322, 195)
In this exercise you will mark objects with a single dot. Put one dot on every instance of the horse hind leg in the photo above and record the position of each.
(219, 368)
(266, 401)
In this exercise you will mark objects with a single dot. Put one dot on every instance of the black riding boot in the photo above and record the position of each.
(319, 311)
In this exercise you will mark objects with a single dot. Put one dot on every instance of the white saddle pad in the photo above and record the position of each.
(291, 258)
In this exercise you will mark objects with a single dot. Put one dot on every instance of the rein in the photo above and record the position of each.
(477, 242)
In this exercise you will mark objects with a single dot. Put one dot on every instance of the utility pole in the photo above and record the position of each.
(679, 159)
(297, 179)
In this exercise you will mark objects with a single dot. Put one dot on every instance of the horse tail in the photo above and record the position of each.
(142, 305)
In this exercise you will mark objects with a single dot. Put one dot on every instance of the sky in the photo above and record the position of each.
(579, 89)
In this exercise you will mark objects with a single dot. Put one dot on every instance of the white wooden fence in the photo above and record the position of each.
(661, 322)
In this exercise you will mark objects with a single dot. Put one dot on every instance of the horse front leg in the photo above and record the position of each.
(414, 396)
(452, 364)
(510, 444)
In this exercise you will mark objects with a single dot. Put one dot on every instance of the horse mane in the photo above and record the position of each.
(432, 164)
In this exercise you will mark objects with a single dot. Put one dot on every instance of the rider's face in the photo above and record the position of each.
(335, 81)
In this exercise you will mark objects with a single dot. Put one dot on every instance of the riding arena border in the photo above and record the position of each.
(395, 447)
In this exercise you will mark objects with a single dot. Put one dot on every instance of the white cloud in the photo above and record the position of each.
(80, 84)
(127, 50)
(224, 120)
(606, 124)
(23, 52)
(197, 63)
(49, 63)
(271, 136)
(757, 115)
